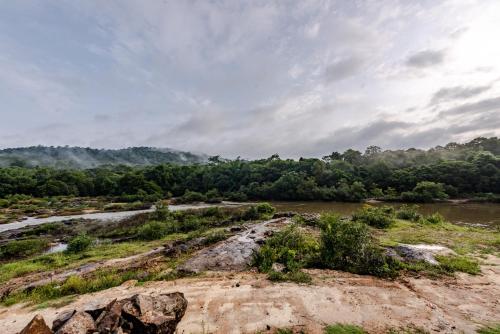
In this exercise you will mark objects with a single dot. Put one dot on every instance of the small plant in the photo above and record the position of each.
(192, 196)
(379, 217)
(161, 212)
(297, 276)
(259, 211)
(79, 244)
(153, 230)
(408, 212)
(344, 329)
(434, 219)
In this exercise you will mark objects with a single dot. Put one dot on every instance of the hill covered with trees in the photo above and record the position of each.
(82, 158)
(455, 170)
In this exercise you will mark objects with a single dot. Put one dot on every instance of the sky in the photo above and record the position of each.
(249, 78)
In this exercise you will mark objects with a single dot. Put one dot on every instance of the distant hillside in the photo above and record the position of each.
(79, 157)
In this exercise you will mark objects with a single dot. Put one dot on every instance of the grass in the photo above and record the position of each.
(494, 329)
(463, 240)
(344, 329)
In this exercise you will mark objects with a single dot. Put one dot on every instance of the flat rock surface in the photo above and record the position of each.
(234, 253)
(247, 302)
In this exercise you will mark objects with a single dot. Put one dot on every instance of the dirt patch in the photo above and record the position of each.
(248, 302)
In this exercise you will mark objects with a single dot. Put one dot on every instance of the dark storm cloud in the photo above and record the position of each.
(457, 93)
(426, 58)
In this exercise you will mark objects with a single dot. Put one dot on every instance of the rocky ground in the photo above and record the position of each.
(247, 302)
(227, 299)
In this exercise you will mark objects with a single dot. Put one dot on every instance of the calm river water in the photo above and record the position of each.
(458, 213)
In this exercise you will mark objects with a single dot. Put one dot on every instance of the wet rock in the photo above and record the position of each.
(310, 218)
(62, 319)
(422, 252)
(37, 325)
(79, 323)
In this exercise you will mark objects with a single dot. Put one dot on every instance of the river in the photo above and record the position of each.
(103, 216)
(457, 213)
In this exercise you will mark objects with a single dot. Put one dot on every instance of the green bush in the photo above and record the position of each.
(259, 211)
(79, 243)
(408, 212)
(161, 212)
(348, 245)
(153, 230)
(434, 219)
(213, 196)
(425, 192)
(344, 329)
(192, 196)
(379, 217)
(290, 247)
(237, 196)
(23, 248)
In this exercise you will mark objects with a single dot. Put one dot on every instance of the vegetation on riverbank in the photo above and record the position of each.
(357, 245)
(471, 169)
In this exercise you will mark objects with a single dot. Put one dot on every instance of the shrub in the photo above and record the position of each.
(344, 329)
(23, 248)
(290, 247)
(379, 217)
(237, 196)
(434, 219)
(79, 243)
(425, 192)
(161, 212)
(408, 212)
(213, 196)
(259, 211)
(153, 230)
(349, 246)
(192, 196)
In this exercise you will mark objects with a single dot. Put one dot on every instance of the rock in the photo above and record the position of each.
(37, 325)
(109, 320)
(154, 315)
(139, 314)
(79, 323)
(278, 267)
(61, 319)
(285, 214)
(422, 252)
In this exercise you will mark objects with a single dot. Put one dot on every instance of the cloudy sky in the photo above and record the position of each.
(249, 78)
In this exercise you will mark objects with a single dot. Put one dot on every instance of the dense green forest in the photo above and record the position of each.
(80, 157)
(455, 170)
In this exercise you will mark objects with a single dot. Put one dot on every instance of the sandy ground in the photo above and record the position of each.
(247, 302)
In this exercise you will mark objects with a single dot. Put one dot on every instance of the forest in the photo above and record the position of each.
(470, 170)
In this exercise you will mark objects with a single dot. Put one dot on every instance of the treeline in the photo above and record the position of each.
(455, 170)
(84, 157)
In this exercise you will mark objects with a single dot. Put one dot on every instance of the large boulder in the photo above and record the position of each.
(151, 315)
(79, 323)
(37, 325)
